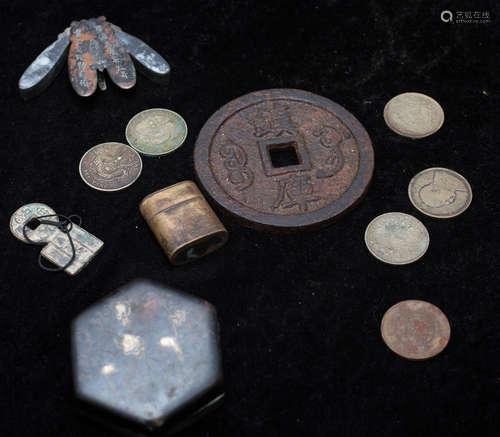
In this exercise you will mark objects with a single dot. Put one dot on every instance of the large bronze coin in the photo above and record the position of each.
(284, 159)
(415, 329)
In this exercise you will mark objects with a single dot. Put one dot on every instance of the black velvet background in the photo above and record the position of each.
(299, 314)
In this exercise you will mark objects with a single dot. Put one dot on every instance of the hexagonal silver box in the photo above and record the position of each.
(148, 354)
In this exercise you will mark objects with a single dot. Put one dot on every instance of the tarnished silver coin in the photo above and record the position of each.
(110, 166)
(415, 329)
(413, 115)
(156, 131)
(440, 192)
(396, 238)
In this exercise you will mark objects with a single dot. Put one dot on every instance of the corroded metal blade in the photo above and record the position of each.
(40, 74)
(117, 61)
(82, 62)
(152, 63)
(95, 45)
(94, 48)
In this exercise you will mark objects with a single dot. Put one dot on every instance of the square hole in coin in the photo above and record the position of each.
(284, 154)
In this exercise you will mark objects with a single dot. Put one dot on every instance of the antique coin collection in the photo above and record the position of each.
(278, 160)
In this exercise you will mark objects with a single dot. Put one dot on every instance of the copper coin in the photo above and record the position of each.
(110, 166)
(413, 115)
(396, 238)
(415, 329)
(284, 159)
(440, 192)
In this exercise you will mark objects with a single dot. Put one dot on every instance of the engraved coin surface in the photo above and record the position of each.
(284, 159)
(440, 192)
(156, 132)
(413, 115)
(110, 166)
(396, 238)
(415, 329)
(26, 213)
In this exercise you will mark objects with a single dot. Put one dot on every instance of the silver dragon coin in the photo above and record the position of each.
(110, 166)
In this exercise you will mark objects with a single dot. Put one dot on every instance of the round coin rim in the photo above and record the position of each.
(406, 134)
(308, 220)
(134, 146)
(109, 189)
(24, 206)
(396, 263)
(458, 175)
(439, 311)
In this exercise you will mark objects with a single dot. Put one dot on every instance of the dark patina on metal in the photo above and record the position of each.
(94, 45)
(147, 358)
(183, 222)
(284, 159)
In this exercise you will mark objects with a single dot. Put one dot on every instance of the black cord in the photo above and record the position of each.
(64, 225)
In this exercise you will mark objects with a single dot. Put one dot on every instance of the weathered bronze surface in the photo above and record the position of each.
(57, 250)
(147, 354)
(284, 159)
(183, 222)
(94, 45)
(415, 329)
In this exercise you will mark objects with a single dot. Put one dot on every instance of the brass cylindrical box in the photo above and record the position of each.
(183, 222)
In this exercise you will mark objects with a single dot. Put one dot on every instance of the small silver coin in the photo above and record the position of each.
(440, 192)
(156, 132)
(413, 115)
(110, 166)
(396, 238)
